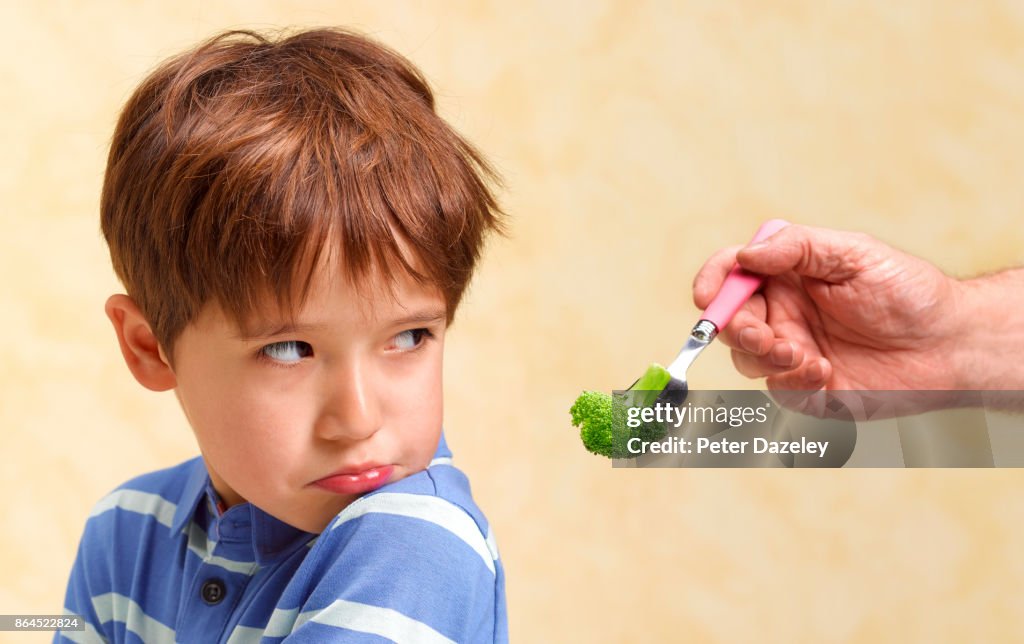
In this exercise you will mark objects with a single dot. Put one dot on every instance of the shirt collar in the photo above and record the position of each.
(192, 491)
(271, 538)
(248, 526)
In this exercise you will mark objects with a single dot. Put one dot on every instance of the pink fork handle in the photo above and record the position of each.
(740, 284)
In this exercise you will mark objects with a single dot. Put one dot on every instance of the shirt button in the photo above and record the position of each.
(213, 591)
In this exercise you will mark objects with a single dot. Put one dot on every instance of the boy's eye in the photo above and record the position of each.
(409, 340)
(290, 351)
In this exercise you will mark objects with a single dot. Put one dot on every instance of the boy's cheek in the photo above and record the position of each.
(247, 421)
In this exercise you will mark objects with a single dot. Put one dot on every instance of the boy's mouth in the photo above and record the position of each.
(356, 480)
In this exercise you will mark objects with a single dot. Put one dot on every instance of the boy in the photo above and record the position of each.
(294, 227)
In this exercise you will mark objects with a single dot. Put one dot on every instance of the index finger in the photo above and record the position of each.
(709, 278)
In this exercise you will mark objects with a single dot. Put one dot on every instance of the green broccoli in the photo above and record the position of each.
(603, 429)
(592, 413)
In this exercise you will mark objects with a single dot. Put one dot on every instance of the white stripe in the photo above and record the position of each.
(364, 618)
(141, 502)
(118, 608)
(248, 568)
(441, 460)
(428, 508)
(492, 545)
(281, 623)
(88, 636)
(199, 542)
(245, 635)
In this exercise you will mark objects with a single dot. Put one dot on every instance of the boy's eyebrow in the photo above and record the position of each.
(269, 331)
(430, 316)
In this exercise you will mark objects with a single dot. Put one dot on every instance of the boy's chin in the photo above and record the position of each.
(316, 518)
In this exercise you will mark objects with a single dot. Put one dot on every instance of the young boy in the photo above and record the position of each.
(294, 226)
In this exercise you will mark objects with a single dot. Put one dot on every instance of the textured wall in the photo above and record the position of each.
(635, 138)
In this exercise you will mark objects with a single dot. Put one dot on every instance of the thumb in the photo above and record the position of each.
(829, 255)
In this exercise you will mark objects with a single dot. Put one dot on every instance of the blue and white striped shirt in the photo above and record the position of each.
(413, 561)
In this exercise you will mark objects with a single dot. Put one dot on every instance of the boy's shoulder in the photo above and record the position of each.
(433, 506)
(425, 540)
(442, 484)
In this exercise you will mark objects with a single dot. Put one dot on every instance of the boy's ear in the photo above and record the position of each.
(142, 353)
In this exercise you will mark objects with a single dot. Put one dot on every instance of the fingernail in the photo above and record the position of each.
(750, 339)
(815, 371)
(759, 246)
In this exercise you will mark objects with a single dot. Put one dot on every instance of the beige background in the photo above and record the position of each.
(635, 139)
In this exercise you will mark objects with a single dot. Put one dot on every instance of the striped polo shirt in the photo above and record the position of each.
(412, 561)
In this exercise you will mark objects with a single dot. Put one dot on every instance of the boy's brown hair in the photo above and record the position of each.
(235, 165)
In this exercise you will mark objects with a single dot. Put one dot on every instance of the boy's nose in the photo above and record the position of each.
(352, 410)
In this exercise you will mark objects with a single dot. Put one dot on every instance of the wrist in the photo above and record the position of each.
(987, 349)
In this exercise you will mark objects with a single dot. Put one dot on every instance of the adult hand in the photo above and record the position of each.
(842, 311)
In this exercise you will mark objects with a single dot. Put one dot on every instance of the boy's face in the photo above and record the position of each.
(300, 422)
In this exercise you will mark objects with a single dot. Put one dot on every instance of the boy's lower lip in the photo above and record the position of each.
(356, 482)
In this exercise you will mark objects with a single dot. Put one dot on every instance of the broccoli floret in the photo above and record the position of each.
(592, 413)
(602, 425)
